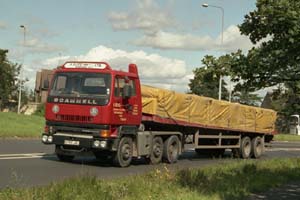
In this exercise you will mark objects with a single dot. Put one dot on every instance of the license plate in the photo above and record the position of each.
(71, 142)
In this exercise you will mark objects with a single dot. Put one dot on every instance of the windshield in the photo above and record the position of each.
(81, 85)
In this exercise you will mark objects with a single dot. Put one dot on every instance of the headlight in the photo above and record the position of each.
(94, 111)
(96, 143)
(44, 138)
(103, 144)
(50, 139)
(55, 109)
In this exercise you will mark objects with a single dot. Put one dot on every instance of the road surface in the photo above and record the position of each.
(26, 163)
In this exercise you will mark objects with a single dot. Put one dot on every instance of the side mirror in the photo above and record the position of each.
(46, 84)
(127, 91)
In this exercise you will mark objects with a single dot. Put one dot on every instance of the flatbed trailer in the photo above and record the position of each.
(92, 108)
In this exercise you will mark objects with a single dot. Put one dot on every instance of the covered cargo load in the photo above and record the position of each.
(206, 112)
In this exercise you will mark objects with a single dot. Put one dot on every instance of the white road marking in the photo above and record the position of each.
(267, 149)
(23, 156)
(283, 149)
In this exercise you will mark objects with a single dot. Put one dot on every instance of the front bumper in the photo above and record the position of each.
(80, 141)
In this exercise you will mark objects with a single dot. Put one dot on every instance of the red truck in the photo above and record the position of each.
(92, 108)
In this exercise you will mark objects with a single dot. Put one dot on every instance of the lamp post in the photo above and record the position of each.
(205, 5)
(20, 79)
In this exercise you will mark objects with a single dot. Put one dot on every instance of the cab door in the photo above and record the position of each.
(125, 109)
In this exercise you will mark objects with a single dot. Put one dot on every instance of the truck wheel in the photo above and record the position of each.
(123, 156)
(245, 148)
(61, 156)
(171, 149)
(257, 147)
(157, 150)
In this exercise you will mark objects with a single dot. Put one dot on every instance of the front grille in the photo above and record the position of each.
(74, 118)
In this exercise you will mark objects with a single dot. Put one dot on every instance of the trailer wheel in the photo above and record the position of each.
(157, 150)
(257, 147)
(245, 148)
(171, 149)
(123, 156)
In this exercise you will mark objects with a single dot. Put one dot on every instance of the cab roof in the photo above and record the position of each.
(101, 67)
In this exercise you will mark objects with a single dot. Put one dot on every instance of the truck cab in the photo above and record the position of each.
(89, 106)
(295, 124)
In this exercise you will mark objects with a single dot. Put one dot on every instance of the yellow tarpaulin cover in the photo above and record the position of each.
(206, 111)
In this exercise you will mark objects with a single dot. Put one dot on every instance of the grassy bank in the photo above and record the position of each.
(287, 137)
(234, 180)
(14, 125)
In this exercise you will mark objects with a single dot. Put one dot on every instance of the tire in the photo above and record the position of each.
(123, 156)
(157, 151)
(245, 148)
(257, 146)
(171, 149)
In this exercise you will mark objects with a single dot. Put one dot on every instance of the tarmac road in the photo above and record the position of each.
(26, 163)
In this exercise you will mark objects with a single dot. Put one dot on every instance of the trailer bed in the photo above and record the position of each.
(168, 107)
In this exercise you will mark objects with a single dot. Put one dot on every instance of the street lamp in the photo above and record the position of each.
(20, 79)
(205, 5)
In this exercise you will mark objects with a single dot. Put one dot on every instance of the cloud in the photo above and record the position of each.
(160, 30)
(167, 40)
(147, 16)
(46, 33)
(3, 25)
(35, 45)
(233, 40)
(47, 48)
(153, 69)
(150, 65)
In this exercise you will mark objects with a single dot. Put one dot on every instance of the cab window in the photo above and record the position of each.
(119, 85)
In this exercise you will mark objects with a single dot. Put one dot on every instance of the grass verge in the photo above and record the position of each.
(234, 180)
(14, 125)
(287, 137)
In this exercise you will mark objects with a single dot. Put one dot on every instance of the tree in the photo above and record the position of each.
(243, 96)
(8, 79)
(206, 78)
(274, 28)
(285, 102)
(206, 81)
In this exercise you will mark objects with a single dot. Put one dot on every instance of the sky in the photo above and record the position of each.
(166, 39)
